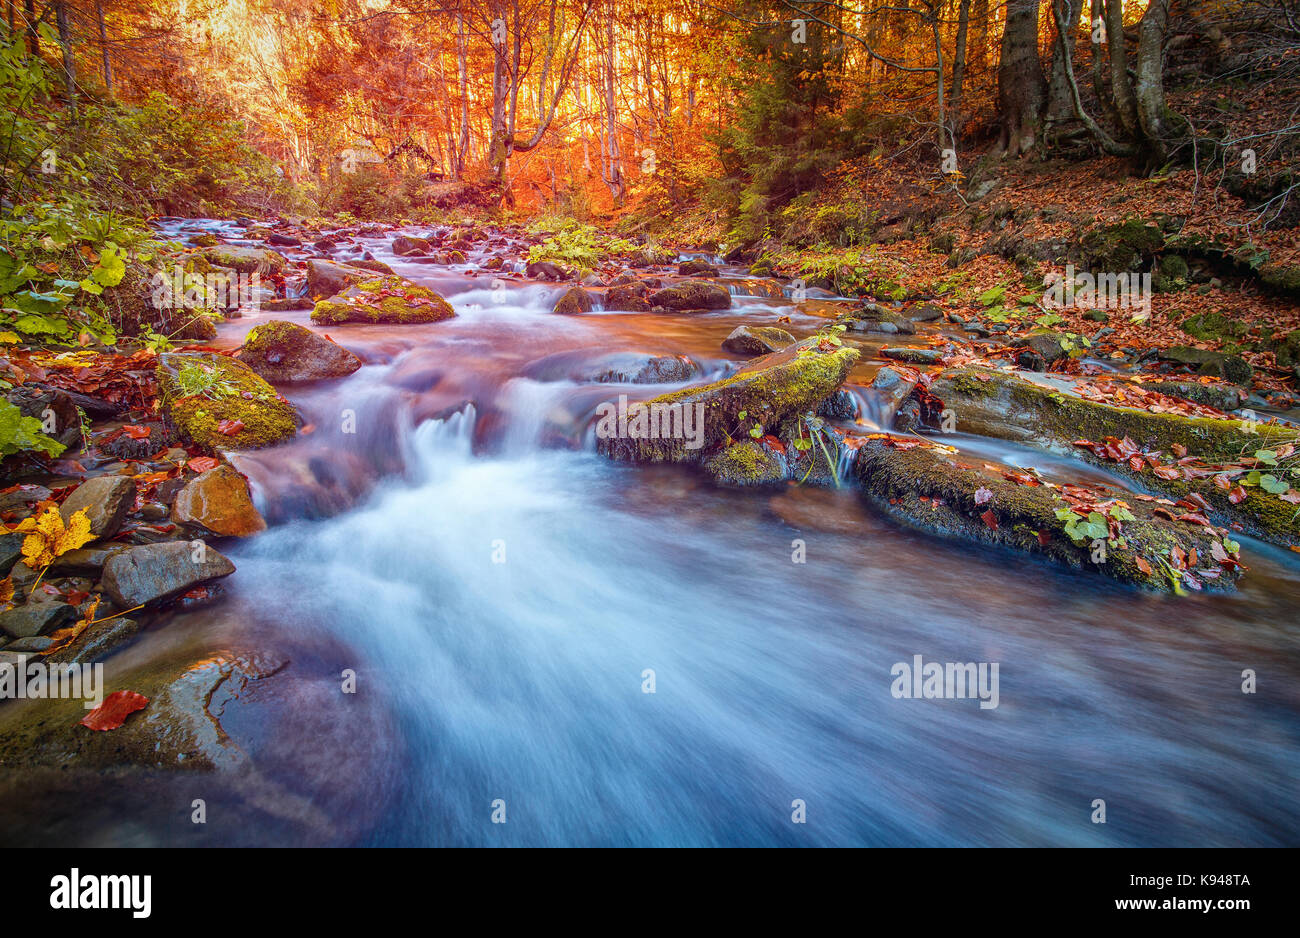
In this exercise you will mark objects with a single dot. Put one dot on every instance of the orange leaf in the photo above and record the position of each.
(113, 712)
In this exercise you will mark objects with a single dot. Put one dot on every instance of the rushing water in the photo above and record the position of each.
(501, 592)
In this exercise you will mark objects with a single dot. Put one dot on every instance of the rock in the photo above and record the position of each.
(369, 263)
(283, 240)
(34, 644)
(915, 356)
(757, 340)
(107, 500)
(285, 353)
(239, 394)
(220, 501)
(769, 390)
(574, 300)
(246, 260)
(926, 312)
(35, 619)
(1225, 397)
(1232, 368)
(628, 297)
(325, 278)
(874, 318)
(545, 270)
(53, 408)
(692, 295)
(11, 551)
(1043, 348)
(406, 246)
(839, 406)
(697, 268)
(97, 641)
(285, 304)
(22, 498)
(84, 561)
(1211, 327)
(152, 573)
(391, 300)
(493, 263)
(746, 463)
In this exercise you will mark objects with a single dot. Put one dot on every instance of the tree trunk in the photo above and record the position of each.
(1059, 105)
(103, 47)
(33, 37)
(1121, 89)
(1158, 125)
(959, 66)
(1022, 89)
(65, 42)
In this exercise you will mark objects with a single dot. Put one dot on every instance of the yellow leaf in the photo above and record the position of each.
(6, 590)
(77, 533)
(8, 338)
(35, 551)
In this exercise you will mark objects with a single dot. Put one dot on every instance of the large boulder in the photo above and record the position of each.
(407, 246)
(872, 317)
(768, 391)
(757, 340)
(692, 295)
(35, 619)
(390, 300)
(107, 501)
(697, 268)
(628, 297)
(219, 500)
(574, 300)
(1232, 368)
(325, 278)
(152, 573)
(246, 260)
(285, 352)
(219, 402)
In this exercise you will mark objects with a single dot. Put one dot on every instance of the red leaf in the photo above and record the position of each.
(230, 427)
(1179, 449)
(990, 519)
(1237, 495)
(137, 432)
(113, 712)
(1143, 565)
(1166, 472)
(202, 463)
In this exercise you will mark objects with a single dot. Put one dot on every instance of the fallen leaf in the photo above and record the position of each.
(113, 712)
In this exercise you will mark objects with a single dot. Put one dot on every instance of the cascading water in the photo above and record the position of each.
(508, 600)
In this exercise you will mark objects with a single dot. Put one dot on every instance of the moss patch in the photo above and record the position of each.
(391, 300)
(267, 417)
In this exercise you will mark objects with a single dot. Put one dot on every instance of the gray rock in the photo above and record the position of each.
(926, 312)
(692, 295)
(35, 619)
(34, 643)
(325, 278)
(915, 356)
(107, 500)
(154, 572)
(11, 551)
(757, 340)
(407, 246)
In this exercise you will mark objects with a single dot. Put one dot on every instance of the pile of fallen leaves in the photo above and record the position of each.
(124, 380)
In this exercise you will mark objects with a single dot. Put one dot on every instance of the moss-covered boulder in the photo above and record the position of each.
(390, 300)
(408, 246)
(573, 300)
(697, 268)
(1233, 368)
(931, 488)
(246, 260)
(628, 297)
(1121, 247)
(285, 353)
(768, 391)
(1004, 406)
(756, 340)
(1213, 327)
(1281, 278)
(874, 318)
(691, 296)
(218, 402)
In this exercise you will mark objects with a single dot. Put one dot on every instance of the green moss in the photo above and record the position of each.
(1212, 327)
(246, 260)
(1282, 278)
(358, 304)
(928, 489)
(745, 463)
(1120, 247)
(268, 418)
(768, 390)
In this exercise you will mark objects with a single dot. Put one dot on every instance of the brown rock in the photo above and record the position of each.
(219, 500)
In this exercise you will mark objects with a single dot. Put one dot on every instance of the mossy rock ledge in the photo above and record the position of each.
(773, 392)
(1004, 406)
(930, 489)
(242, 396)
(388, 300)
